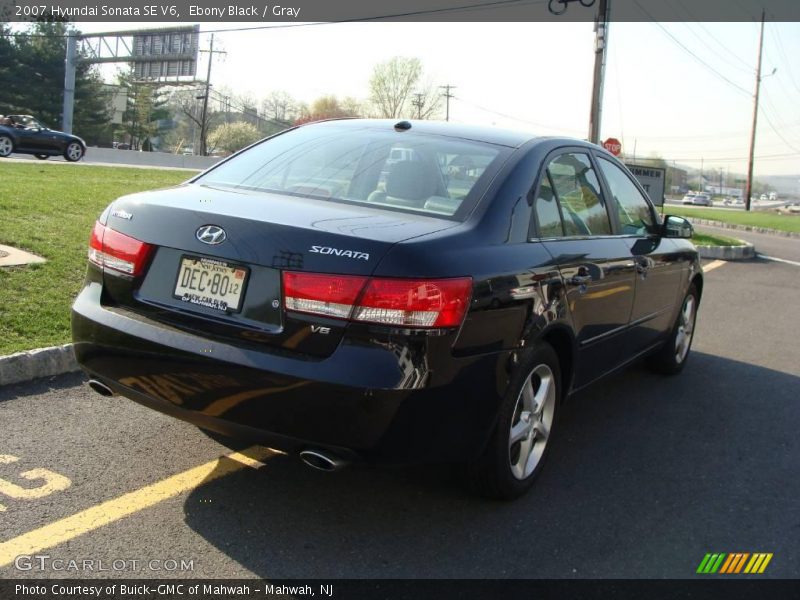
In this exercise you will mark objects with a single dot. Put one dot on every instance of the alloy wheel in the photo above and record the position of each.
(532, 421)
(6, 146)
(683, 339)
(74, 151)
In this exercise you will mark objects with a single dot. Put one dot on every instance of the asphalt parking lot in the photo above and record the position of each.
(646, 475)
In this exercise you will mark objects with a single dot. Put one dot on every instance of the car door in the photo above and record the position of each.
(44, 140)
(572, 222)
(658, 264)
(25, 140)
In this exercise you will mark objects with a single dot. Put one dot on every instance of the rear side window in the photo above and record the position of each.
(401, 171)
(631, 206)
(545, 207)
(578, 192)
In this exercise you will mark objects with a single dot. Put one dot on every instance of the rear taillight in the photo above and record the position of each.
(399, 302)
(114, 250)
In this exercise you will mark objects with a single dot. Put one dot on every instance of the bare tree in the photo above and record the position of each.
(329, 107)
(392, 83)
(278, 105)
(188, 103)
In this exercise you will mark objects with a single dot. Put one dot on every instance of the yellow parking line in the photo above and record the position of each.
(713, 265)
(113, 510)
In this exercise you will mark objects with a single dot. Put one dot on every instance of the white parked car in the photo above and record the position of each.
(688, 198)
(701, 200)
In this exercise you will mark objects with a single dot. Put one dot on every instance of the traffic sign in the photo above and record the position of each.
(613, 145)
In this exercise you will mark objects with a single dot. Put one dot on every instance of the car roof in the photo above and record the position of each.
(491, 135)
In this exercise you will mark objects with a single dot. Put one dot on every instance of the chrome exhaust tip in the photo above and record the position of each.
(101, 388)
(322, 461)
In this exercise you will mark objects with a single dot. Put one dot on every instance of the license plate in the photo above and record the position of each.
(211, 283)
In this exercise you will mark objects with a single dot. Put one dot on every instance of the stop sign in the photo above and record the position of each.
(613, 145)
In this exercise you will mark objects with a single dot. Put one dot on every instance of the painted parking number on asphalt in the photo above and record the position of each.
(51, 482)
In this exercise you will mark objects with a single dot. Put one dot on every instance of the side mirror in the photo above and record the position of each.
(676, 227)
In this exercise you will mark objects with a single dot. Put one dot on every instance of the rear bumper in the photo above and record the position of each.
(378, 400)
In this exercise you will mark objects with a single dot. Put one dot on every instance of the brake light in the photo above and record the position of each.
(321, 294)
(400, 302)
(114, 250)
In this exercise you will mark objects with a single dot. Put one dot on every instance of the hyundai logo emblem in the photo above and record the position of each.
(211, 234)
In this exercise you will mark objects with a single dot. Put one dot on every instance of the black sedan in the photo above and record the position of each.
(318, 295)
(25, 135)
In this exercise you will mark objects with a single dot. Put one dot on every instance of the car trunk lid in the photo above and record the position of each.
(264, 235)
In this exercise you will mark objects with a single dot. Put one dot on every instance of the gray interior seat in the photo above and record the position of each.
(408, 183)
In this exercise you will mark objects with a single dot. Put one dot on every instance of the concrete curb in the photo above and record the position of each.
(43, 362)
(723, 225)
(742, 252)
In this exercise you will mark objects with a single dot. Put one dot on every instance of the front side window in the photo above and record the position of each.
(633, 210)
(384, 169)
(578, 191)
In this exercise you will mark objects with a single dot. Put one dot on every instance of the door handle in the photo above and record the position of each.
(579, 279)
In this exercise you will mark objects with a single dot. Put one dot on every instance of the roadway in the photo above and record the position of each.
(647, 474)
(770, 245)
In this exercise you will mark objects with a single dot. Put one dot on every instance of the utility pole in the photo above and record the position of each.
(447, 95)
(749, 187)
(601, 43)
(702, 161)
(417, 101)
(203, 123)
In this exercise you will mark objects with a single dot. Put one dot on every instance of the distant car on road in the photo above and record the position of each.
(25, 135)
(688, 198)
(700, 200)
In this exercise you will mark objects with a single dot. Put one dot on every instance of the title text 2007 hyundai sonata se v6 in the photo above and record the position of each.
(390, 292)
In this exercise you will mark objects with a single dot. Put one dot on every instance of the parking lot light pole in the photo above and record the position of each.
(203, 125)
(69, 84)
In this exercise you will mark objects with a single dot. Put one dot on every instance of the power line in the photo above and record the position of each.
(774, 111)
(690, 53)
(693, 18)
(513, 118)
(784, 58)
(735, 158)
(778, 133)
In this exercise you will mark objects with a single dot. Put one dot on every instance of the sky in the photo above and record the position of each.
(682, 91)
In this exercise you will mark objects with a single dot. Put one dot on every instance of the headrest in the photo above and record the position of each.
(411, 180)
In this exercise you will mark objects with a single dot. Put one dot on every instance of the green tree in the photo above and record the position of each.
(32, 80)
(146, 107)
(232, 137)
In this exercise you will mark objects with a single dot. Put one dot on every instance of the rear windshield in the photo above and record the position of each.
(397, 170)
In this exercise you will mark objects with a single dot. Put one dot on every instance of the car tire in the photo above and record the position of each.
(672, 357)
(42, 156)
(6, 146)
(515, 454)
(73, 152)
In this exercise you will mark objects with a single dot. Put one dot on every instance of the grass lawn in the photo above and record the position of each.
(705, 239)
(769, 220)
(49, 210)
